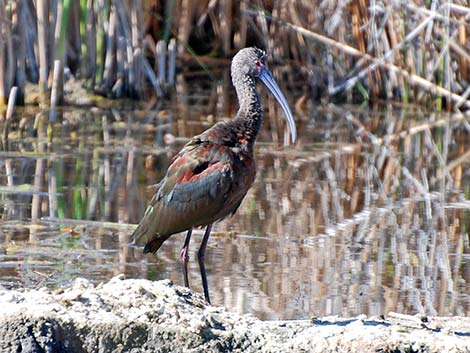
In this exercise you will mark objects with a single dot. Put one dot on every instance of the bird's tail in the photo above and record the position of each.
(145, 235)
(142, 235)
(153, 245)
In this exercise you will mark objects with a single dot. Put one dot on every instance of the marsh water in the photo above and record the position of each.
(368, 213)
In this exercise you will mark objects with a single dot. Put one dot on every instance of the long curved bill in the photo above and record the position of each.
(267, 78)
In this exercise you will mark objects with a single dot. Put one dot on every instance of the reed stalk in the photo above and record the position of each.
(411, 78)
(3, 54)
(42, 35)
(18, 23)
(160, 56)
(11, 102)
(56, 89)
(381, 49)
(171, 62)
(8, 117)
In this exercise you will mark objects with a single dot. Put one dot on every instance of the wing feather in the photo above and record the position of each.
(193, 193)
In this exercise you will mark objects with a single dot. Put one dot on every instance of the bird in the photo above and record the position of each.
(207, 180)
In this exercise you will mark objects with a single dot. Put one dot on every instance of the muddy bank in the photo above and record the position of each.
(144, 316)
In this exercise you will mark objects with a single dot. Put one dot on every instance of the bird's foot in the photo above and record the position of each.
(184, 255)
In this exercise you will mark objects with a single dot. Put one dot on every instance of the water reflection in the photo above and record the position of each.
(368, 213)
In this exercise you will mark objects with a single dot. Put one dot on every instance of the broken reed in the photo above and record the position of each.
(112, 45)
(98, 41)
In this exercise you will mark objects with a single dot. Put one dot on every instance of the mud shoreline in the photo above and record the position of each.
(125, 315)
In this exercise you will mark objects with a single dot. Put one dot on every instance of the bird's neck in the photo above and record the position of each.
(250, 113)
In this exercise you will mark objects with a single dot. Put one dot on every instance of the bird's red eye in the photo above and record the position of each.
(258, 63)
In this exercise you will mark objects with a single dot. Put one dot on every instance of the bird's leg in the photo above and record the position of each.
(200, 257)
(184, 257)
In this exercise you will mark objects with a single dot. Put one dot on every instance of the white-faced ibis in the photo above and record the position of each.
(208, 179)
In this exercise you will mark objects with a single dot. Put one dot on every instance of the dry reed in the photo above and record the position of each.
(356, 49)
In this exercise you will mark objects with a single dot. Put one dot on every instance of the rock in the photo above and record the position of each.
(144, 316)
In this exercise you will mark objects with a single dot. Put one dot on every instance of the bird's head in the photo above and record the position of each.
(249, 61)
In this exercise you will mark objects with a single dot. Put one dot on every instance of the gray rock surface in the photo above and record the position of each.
(145, 316)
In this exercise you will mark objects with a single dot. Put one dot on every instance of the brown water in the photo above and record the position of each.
(368, 213)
